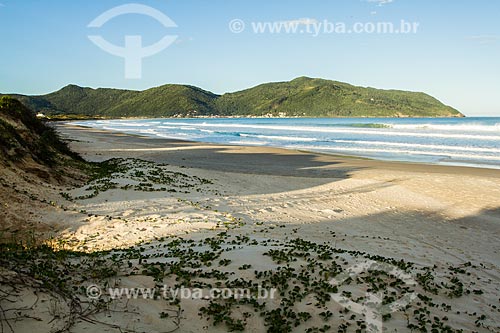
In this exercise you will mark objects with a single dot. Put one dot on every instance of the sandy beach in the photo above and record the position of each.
(429, 215)
(255, 167)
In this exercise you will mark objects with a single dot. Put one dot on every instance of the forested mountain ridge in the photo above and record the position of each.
(302, 97)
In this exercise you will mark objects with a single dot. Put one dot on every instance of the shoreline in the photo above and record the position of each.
(269, 176)
(356, 160)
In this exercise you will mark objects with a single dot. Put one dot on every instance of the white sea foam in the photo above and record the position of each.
(148, 131)
(279, 138)
(171, 136)
(450, 127)
(128, 124)
(417, 145)
(464, 141)
(374, 131)
(401, 151)
(248, 142)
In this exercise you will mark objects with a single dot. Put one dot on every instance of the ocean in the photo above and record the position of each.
(451, 141)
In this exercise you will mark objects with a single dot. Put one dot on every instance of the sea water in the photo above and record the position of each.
(452, 141)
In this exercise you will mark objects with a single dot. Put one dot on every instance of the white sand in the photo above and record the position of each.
(428, 215)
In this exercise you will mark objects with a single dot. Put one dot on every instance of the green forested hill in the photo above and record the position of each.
(317, 97)
(303, 96)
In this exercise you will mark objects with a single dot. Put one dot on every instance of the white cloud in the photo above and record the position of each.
(484, 39)
(381, 2)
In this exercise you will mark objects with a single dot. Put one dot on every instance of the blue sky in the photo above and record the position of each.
(454, 55)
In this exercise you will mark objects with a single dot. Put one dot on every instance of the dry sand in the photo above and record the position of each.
(426, 214)
(314, 191)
